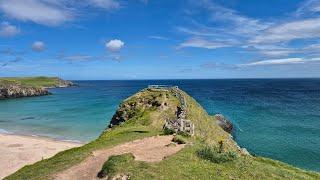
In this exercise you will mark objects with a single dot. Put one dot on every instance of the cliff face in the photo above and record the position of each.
(30, 86)
(16, 91)
(60, 83)
(144, 103)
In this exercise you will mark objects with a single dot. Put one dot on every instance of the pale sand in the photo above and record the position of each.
(18, 151)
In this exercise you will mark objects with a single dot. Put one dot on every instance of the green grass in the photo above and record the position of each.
(214, 155)
(179, 139)
(116, 165)
(192, 162)
(187, 165)
(31, 81)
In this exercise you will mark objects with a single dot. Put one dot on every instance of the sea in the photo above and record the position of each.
(276, 118)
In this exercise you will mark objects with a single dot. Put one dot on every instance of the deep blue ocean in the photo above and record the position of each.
(276, 118)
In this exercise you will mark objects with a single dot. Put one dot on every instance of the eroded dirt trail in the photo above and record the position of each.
(151, 149)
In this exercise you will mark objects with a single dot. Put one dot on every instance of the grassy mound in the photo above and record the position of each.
(32, 81)
(142, 117)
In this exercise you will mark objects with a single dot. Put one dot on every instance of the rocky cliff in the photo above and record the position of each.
(30, 86)
(60, 83)
(17, 90)
(224, 123)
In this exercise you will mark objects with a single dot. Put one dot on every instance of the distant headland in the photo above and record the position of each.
(17, 87)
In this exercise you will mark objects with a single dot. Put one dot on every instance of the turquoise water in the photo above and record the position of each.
(277, 118)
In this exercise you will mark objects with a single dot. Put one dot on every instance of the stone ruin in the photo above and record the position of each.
(180, 124)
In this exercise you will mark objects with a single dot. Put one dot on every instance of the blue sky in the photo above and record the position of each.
(149, 39)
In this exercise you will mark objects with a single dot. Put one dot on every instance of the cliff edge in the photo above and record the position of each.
(29, 86)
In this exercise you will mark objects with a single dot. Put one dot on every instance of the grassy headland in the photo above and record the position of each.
(145, 114)
(15, 87)
(40, 81)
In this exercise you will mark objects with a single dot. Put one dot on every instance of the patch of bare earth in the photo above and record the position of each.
(152, 149)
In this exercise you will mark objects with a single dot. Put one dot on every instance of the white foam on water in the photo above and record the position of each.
(2, 131)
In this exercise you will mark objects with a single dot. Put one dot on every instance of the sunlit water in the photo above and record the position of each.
(277, 118)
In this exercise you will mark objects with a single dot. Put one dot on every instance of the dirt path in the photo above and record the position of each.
(152, 149)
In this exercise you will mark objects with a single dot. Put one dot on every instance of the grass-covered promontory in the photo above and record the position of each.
(16, 87)
(41, 81)
(210, 154)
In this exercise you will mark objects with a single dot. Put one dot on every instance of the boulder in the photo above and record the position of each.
(224, 123)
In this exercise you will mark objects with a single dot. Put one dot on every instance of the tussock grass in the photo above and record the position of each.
(213, 154)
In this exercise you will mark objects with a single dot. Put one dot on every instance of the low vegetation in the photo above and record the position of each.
(215, 155)
(179, 139)
(210, 154)
(115, 165)
(32, 81)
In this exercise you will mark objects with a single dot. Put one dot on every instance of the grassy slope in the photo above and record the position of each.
(185, 164)
(31, 81)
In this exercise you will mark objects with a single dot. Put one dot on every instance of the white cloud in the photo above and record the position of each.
(207, 44)
(300, 29)
(286, 61)
(46, 12)
(38, 46)
(309, 6)
(272, 50)
(269, 38)
(158, 37)
(8, 30)
(51, 12)
(105, 4)
(243, 25)
(114, 45)
(78, 58)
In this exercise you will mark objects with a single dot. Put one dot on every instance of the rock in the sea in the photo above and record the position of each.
(16, 91)
(224, 123)
(63, 83)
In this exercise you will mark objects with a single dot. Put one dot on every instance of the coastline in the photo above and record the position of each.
(20, 150)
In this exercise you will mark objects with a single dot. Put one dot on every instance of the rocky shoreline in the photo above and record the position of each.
(15, 89)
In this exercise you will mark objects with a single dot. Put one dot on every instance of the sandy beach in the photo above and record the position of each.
(17, 151)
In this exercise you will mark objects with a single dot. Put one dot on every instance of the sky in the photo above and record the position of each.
(152, 39)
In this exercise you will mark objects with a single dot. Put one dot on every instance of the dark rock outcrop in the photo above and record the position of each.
(224, 123)
(16, 91)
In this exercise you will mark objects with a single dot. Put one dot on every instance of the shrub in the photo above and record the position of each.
(115, 164)
(179, 139)
(167, 131)
(185, 134)
(212, 154)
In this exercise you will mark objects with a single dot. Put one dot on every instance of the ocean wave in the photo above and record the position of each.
(3, 131)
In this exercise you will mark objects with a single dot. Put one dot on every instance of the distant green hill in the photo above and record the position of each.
(16, 87)
(210, 154)
(40, 81)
